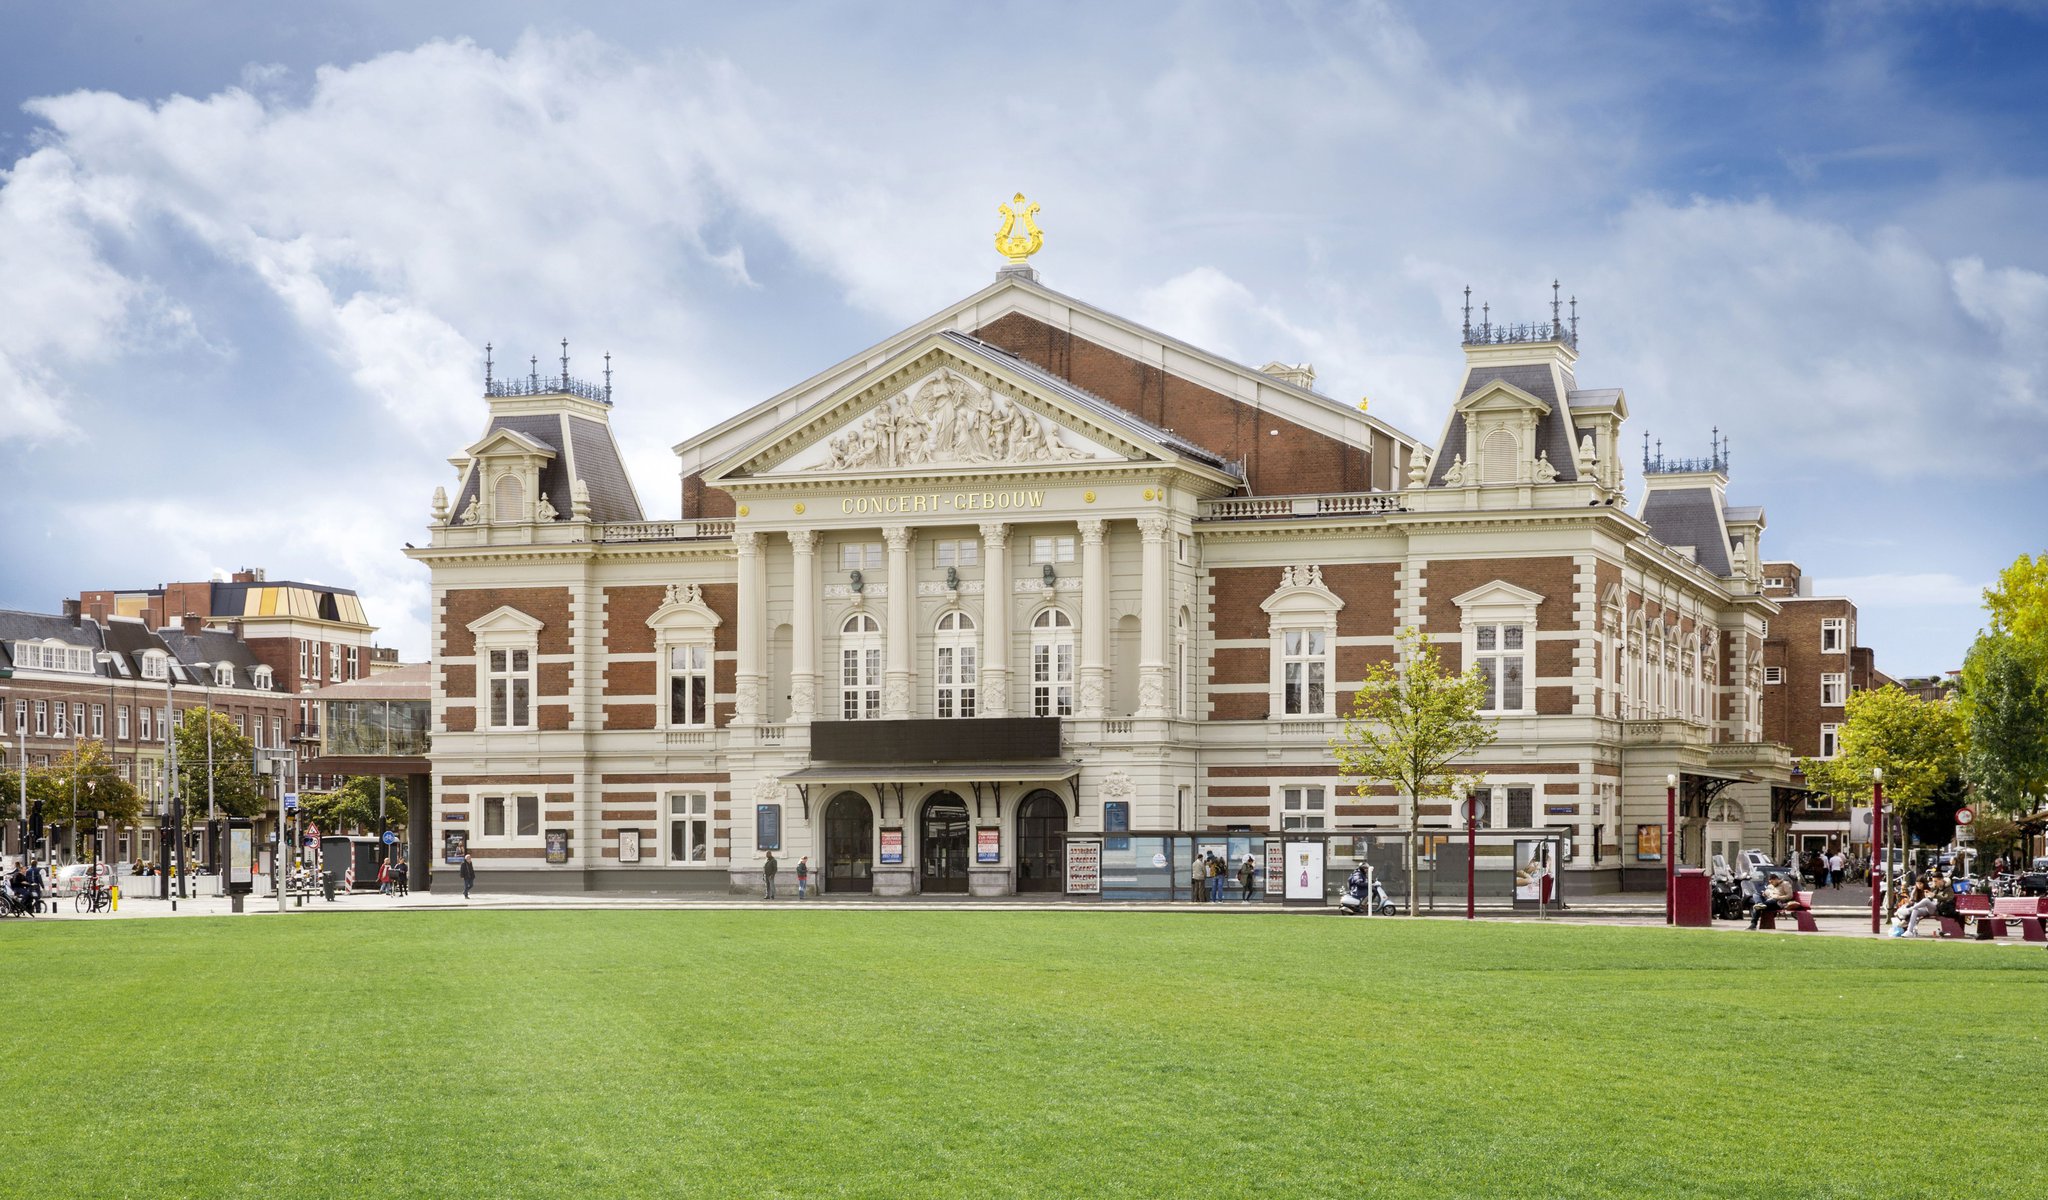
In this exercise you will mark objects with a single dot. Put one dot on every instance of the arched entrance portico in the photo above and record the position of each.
(943, 847)
(849, 844)
(1041, 851)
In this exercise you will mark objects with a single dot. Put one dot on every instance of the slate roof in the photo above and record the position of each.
(1088, 402)
(129, 637)
(214, 646)
(1554, 430)
(596, 462)
(1689, 517)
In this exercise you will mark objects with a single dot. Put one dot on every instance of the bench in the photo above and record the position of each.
(1802, 917)
(2024, 911)
(1969, 905)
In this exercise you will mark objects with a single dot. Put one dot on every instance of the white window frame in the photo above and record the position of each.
(334, 662)
(861, 667)
(1834, 635)
(697, 671)
(861, 556)
(224, 675)
(688, 814)
(508, 653)
(99, 722)
(1834, 689)
(1500, 606)
(1052, 548)
(1489, 648)
(1303, 806)
(155, 665)
(1776, 581)
(509, 806)
(148, 715)
(264, 678)
(43, 717)
(1830, 740)
(121, 722)
(1305, 656)
(956, 552)
(956, 663)
(1052, 663)
(1301, 634)
(277, 731)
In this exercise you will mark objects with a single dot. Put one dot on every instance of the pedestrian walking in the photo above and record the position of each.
(1198, 878)
(768, 876)
(398, 879)
(1246, 872)
(468, 874)
(384, 877)
(803, 875)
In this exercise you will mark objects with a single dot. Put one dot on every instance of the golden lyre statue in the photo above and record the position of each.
(1017, 249)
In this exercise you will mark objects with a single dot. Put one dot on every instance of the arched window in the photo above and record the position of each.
(860, 668)
(1052, 664)
(508, 500)
(1180, 664)
(958, 664)
(1498, 458)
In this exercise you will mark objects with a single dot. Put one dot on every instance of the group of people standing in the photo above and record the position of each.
(1210, 875)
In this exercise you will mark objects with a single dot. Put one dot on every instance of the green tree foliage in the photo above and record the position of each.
(87, 773)
(353, 806)
(236, 791)
(1406, 728)
(2019, 602)
(1918, 743)
(2004, 697)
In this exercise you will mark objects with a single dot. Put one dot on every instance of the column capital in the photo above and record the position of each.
(1091, 531)
(803, 541)
(898, 537)
(1154, 528)
(996, 533)
(746, 541)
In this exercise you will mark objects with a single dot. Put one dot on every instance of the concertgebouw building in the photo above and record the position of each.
(1027, 570)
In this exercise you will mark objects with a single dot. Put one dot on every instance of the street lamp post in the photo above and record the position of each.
(205, 670)
(177, 812)
(1876, 841)
(1670, 849)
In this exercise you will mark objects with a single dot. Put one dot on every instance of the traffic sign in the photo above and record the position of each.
(291, 801)
(1965, 815)
(390, 838)
(1474, 809)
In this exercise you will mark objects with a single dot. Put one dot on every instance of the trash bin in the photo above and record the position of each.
(1693, 903)
(327, 885)
(234, 901)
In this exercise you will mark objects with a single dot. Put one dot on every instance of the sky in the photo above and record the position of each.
(250, 254)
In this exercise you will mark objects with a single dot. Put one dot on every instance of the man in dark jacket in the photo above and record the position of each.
(468, 874)
(768, 875)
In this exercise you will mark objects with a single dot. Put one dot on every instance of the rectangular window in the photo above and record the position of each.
(689, 685)
(957, 679)
(1830, 740)
(1767, 627)
(1774, 674)
(63, 728)
(148, 714)
(1052, 550)
(99, 722)
(1776, 581)
(1302, 808)
(121, 722)
(511, 689)
(965, 552)
(1834, 635)
(1052, 679)
(1305, 670)
(1834, 689)
(528, 816)
(1501, 653)
(304, 668)
(163, 724)
(860, 556)
(43, 718)
(277, 732)
(242, 724)
(78, 719)
(334, 662)
(494, 816)
(689, 829)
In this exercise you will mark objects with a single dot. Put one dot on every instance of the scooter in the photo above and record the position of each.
(1366, 893)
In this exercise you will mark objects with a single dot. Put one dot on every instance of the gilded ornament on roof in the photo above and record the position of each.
(1015, 247)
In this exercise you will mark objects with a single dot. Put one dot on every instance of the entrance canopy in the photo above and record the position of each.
(984, 781)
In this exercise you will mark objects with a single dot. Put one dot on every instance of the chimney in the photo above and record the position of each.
(248, 575)
(235, 628)
(72, 611)
(193, 624)
(98, 610)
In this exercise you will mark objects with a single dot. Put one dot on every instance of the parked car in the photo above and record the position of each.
(70, 881)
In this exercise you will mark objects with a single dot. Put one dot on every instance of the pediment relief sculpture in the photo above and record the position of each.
(945, 420)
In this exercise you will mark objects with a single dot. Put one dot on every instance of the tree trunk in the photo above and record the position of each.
(1414, 832)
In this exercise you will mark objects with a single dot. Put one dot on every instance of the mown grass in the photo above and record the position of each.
(824, 1053)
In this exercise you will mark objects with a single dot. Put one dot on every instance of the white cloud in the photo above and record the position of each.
(1929, 589)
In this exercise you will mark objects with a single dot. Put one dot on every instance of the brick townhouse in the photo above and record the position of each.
(1026, 569)
(1812, 665)
(76, 677)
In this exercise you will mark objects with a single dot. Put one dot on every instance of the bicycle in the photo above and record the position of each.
(92, 900)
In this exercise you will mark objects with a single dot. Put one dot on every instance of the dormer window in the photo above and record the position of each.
(155, 665)
(264, 678)
(52, 656)
(224, 675)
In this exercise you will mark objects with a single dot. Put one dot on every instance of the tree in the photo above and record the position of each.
(1406, 727)
(2018, 603)
(1919, 744)
(2004, 697)
(86, 777)
(353, 805)
(235, 790)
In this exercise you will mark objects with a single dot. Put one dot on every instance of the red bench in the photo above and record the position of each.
(1802, 916)
(1969, 905)
(2024, 911)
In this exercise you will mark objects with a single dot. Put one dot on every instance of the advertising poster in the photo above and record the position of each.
(1304, 870)
(241, 853)
(454, 846)
(1276, 867)
(1084, 868)
(767, 827)
(988, 844)
(1116, 818)
(629, 845)
(1649, 843)
(892, 845)
(558, 847)
(1532, 868)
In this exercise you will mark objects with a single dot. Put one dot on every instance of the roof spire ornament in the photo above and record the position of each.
(1013, 247)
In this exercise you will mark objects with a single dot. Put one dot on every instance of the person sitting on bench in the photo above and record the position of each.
(1781, 896)
(1918, 903)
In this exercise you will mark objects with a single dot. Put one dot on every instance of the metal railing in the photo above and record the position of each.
(552, 385)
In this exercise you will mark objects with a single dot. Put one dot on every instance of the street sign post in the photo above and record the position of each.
(1965, 815)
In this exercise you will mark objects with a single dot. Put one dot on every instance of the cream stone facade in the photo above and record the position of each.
(1027, 565)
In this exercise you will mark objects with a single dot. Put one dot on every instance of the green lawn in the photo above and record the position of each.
(823, 1053)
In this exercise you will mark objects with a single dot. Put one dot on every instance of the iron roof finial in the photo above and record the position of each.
(607, 377)
(533, 370)
(487, 366)
(1575, 320)
(1556, 326)
(565, 364)
(1468, 312)
(1486, 322)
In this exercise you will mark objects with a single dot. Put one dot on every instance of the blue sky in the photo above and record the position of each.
(248, 261)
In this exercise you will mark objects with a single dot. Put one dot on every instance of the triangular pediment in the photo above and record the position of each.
(1501, 396)
(946, 408)
(1497, 599)
(509, 441)
(505, 620)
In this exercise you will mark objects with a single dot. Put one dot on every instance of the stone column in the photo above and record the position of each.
(1153, 620)
(1094, 619)
(995, 621)
(897, 673)
(752, 636)
(803, 639)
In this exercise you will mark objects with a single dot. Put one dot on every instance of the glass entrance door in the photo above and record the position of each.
(1041, 851)
(942, 861)
(849, 844)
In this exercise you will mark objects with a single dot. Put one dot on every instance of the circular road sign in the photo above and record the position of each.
(390, 838)
(1474, 809)
(1965, 815)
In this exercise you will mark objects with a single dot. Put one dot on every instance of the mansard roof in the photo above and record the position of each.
(1555, 432)
(1689, 516)
(583, 449)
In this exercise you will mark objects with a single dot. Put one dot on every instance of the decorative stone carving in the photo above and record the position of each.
(898, 538)
(683, 593)
(1117, 785)
(545, 511)
(968, 587)
(1307, 576)
(1151, 692)
(470, 513)
(1063, 583)
(803, 696)
(747, 698)
(579, 500)
(1091, 692)
(946, 419)
(896, 695)
(1153, 529)
(1418, 468)
(1586, 456)
(1454, 475)
(1091, 531)
(996, 534)
(440, 506)
(769, 790)
(803, 541)
(844, 591)
(1545, 472)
